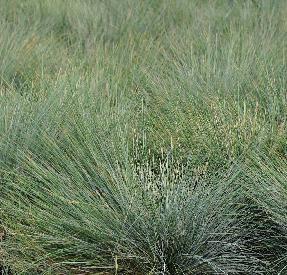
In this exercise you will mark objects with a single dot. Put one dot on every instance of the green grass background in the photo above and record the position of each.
(143, 137)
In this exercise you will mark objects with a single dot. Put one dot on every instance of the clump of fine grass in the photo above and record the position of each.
(79, 206)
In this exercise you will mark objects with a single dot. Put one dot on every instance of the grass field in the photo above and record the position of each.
(143, 137)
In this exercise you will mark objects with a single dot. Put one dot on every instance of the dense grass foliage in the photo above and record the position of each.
(143, 137)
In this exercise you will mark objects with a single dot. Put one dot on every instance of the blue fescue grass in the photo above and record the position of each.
(143, 137)
(85, 207)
